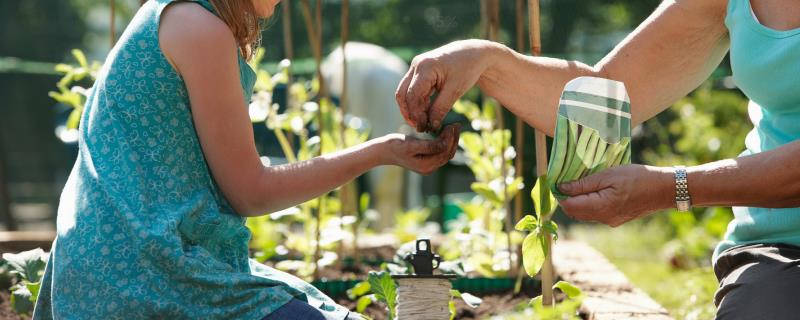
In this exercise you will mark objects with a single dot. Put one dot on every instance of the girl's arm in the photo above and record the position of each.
(666, 57)
(203, 50)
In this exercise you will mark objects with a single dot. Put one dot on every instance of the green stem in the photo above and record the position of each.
(285, 146)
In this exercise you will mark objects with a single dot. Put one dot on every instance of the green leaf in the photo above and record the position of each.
(74, 119)
(63, 68)
(569, 289)
(452, 307)
(532, 254)
(471, 142)
(28, 265)
(543, 200)
(364, 302)
(552, 228)
(385, 290)
(80, 57)
(358, 290)
(364, 202)
(527, 223)
(33, 287)
(486, 192)
(536, 302)
(21, 299)
(469, 299)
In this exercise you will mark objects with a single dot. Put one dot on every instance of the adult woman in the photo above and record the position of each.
(667, 56)
(150, 221)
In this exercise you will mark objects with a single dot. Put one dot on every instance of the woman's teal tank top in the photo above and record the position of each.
(766, 67)
(143, 230)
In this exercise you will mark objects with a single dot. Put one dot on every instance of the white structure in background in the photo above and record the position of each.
(373, 74)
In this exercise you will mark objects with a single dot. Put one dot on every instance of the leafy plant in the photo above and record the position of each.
(75, 95)
(469, 299)
(480, 231)
(385, 290)
(535, 249)
(320, 128)
(28, 268)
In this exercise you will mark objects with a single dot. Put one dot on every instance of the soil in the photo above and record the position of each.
(5, 307)
(493, 304)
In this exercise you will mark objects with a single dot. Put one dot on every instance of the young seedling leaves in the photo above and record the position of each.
(364, 302)
(543, 200)
(22, 300)
(536, 302)
(569, 289)
(358, 290)
(469, 299)
(382, 284)
(486, 192)
(28, 265)
(552, 228)
(532, 253)
(364, 202)
(528, 223)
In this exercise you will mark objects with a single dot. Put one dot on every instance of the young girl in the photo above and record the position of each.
(150, 223)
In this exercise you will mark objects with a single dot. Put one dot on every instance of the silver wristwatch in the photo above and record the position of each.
(682, 199)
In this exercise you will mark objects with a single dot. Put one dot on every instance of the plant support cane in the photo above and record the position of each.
(541, 160)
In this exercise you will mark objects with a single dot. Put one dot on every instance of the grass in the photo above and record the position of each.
(637, 249)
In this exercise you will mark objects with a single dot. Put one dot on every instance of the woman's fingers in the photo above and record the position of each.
(400, 97)
(443, 103)
(418, 96)
(592, 183)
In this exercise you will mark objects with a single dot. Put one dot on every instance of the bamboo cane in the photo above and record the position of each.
(347, 192)
(541, 158)
(288, 46)
(112, 26)
(315, 40)
(519, 130)
(491, 12)
(288, 49)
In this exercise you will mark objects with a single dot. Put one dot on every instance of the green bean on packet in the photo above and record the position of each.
(593, 130)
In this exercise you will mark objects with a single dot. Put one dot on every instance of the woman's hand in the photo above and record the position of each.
(619, 194)
(448, 72)
(421, 156)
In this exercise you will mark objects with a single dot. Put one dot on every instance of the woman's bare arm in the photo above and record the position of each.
(203, 50)
(667, 56)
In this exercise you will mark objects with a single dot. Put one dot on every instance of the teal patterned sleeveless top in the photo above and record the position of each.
(143, 230)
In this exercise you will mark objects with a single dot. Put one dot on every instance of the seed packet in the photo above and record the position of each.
(593, 130)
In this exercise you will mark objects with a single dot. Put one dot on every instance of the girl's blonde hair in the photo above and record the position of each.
(241, 17)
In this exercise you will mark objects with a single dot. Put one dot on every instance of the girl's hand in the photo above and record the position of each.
(619, 194)
(421, 156)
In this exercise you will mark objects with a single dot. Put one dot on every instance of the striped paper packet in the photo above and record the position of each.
(593, 130)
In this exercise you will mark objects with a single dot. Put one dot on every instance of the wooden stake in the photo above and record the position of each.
(541, 157)
(491, 14)
(347, 192)
(112, 26)
(315, 40)
(288, 49)
(288, 46)
(519, 128)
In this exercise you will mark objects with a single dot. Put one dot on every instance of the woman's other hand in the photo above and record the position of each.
(418, 155)
(619, 194)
